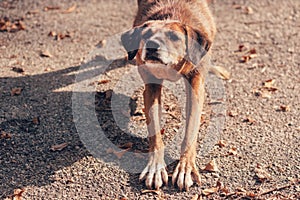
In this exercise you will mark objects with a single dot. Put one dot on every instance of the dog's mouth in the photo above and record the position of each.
(154, 58)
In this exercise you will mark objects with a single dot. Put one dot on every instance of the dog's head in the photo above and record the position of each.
(165, 42)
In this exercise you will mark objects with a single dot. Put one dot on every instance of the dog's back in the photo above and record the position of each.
(194, 13)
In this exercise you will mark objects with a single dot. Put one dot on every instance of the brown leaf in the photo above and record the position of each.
(210, 191)
(59, 147)
(232, 113)
(70, 9)
(248, 10)
(36, 120)
(18, 194)
(225, 191)
(21, 25)
(18, 69)
(45, 53)
(211, 166)
(110, 150)
(52, 34)
(264, 94)
(16, 91)
(249, 120)
(222, 143)
(242, 48)
(100, 82)
(220, 72)
(269, 83)
(5, 135)
(240, 189)
(285, 108)
(236, 6)
(261, 174)
(252, 53)
(51, 8)
(121, 153)
(162, 131)
(219, 185)
(127, 145)
(101, 44)
(233, 151)
(244, 59)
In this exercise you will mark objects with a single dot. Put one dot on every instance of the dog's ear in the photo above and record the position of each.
(197, 45)
(131, 41)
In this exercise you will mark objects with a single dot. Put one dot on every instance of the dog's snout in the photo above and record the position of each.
(152, 46)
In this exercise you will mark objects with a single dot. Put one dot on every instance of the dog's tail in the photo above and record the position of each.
(220, 72)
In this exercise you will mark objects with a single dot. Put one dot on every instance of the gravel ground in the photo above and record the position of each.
(43, 155)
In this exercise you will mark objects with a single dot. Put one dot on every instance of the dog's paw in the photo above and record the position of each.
(155, 173)
(186, 173)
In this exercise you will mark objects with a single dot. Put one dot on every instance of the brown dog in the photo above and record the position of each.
(171, 39)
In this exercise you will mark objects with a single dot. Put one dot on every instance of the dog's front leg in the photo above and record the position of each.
(186, 170)
(155, 171)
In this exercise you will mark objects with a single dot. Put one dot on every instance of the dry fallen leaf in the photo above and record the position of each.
(241, 190)
(36, 121)
(5, 135)
(51, 8)
(252, 53)
(52, 34)
(110, 150)
(210, 191)
(242, 48)
(71, 9)
(45, 53)
(232, 113)
(269, 83)
(100, 82)
(236, 6)
(284, 108)
(18, 194)
(225, 191)
(248, 10)
(121, 153)
(59, 147)
(249, 120)
(233, 151)
(211, 166)
(126, 145)
(16, 91)
(264, 94)
(261, 174)
(11, 26)
(220, 72)
(18, 69)
(101, 44)
(222, 143)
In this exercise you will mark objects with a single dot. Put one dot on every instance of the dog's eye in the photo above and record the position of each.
(172, 36)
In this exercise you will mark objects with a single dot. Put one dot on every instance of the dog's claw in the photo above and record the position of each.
(155, 174)
(185, 173)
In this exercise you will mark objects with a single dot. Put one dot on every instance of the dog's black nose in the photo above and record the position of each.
(152, 46)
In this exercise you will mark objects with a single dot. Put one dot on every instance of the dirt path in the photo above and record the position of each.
(38, 66)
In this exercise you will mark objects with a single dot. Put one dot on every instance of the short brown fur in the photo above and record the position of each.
(193, 19)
